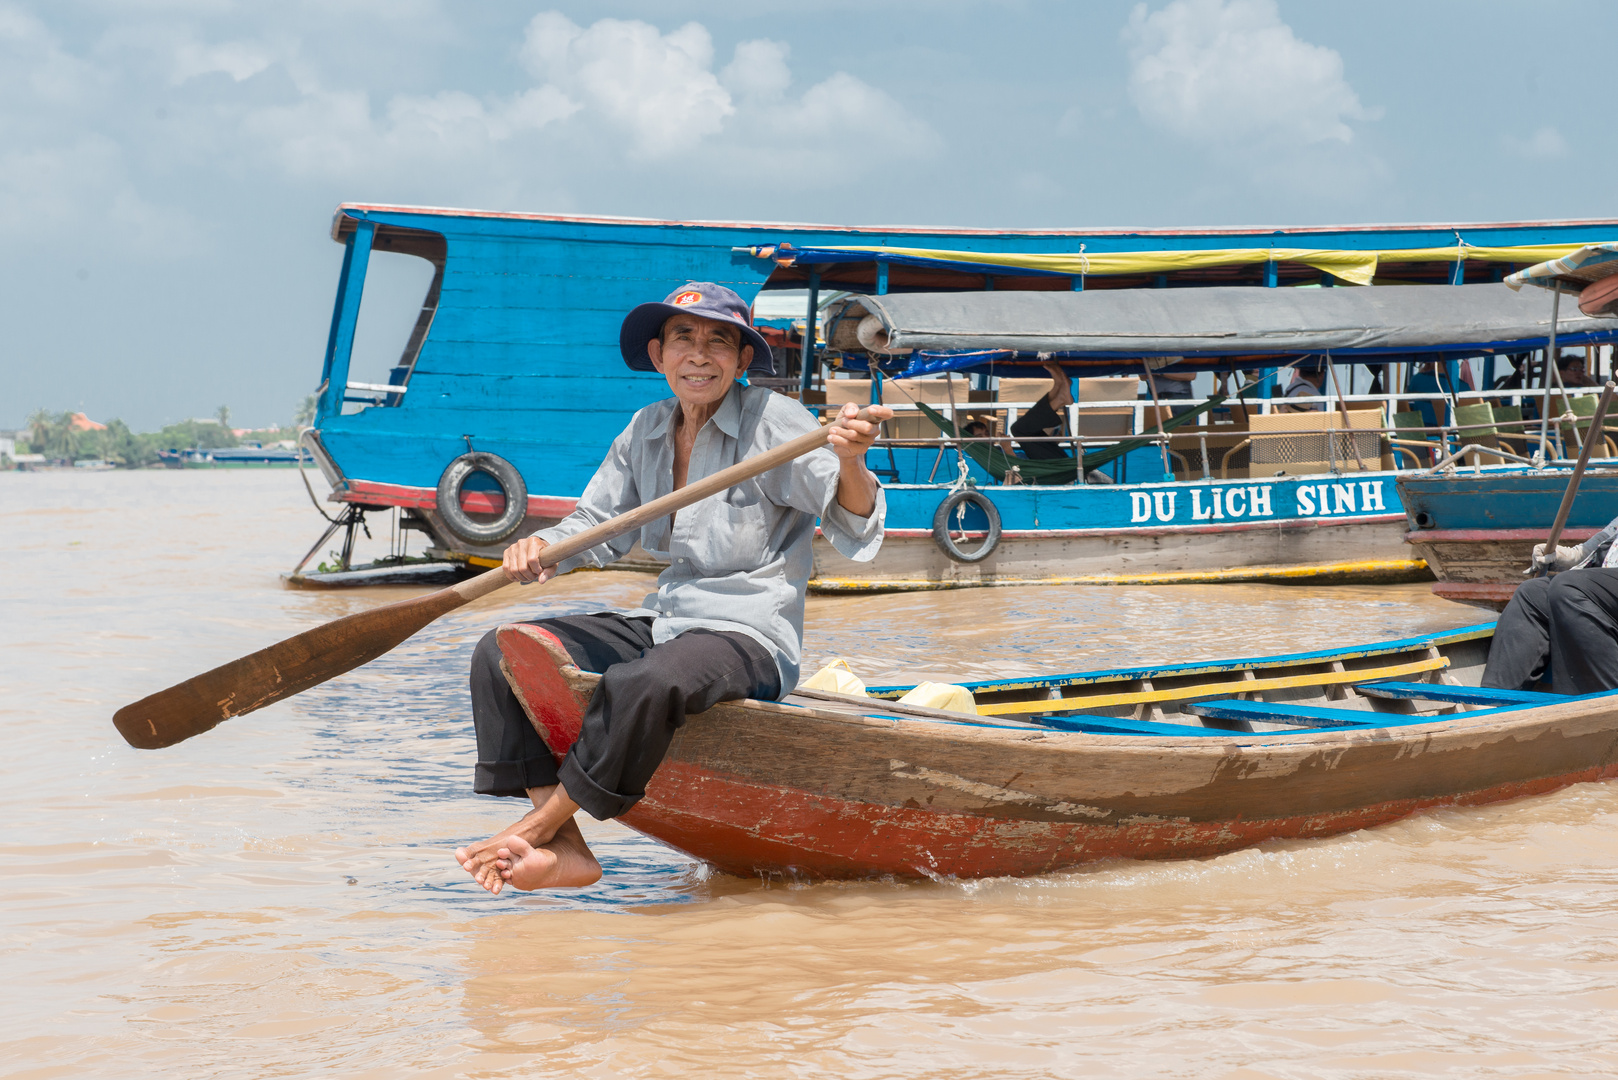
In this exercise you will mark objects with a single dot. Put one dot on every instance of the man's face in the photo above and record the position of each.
(700, 357)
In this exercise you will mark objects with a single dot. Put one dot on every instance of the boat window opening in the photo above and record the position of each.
(396, 313)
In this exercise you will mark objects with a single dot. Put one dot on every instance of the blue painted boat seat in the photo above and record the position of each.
(1461, 695)
(1308, 716)
(1111, 725)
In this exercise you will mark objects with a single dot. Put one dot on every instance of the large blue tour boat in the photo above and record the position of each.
(510, 387)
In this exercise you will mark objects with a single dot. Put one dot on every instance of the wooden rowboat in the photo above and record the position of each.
(1175, 761)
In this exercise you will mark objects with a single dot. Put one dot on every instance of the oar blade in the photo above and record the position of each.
(281, 670)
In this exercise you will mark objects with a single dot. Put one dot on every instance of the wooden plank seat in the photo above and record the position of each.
(1304, 716)
(1459, 695)
(1232, 685)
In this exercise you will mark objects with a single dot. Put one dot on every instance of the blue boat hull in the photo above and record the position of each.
(1477, 530)
(1313, 529)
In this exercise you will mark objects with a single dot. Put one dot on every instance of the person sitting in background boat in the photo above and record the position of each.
(1173, 389)
(1428, 379)
(1307, 379)
(1562, 628)
(1524, 373)
(726, 621)
(1048, 417)
(1570, 365)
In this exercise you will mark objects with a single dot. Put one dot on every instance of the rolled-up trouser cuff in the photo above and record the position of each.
(514, 778)
(597, 800)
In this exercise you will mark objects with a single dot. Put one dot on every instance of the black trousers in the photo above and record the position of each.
(1564, 628)
(1034, 423)
(646, 692)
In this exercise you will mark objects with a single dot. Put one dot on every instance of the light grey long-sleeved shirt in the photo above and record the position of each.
(739, 560)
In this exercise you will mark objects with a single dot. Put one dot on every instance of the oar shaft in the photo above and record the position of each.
(1572, 491)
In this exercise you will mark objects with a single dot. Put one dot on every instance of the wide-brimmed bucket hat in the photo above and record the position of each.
(703, 298)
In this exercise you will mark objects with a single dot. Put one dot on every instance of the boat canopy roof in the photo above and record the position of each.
(1579, 268)
(953, 331)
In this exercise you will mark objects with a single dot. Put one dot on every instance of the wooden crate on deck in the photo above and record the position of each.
(1295, 444)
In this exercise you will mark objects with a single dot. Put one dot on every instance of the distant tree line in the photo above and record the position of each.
(57, 437)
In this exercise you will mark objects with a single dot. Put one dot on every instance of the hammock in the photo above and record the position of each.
(997, 463)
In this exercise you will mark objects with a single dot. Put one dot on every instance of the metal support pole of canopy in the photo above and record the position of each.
(809, 335)
(1272, 279)
(1342, 404)
(1545, 374)
(1163, 443)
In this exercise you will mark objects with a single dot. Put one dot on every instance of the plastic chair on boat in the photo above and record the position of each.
(1584, 408)
(1414, 440)
(1510, 433)
(1474, 425)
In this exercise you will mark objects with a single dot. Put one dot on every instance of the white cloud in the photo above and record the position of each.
(658, 87)
(759, 70)
(337, 134)
(854, 121)
(238, 59)
(163, 118)
(1544, 144)
(661, 91)
(1225, 71)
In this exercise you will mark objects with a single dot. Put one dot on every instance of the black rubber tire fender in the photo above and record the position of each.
(946, 543)
(505, 474)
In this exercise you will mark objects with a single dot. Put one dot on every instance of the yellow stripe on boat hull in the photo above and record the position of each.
(1367, 570)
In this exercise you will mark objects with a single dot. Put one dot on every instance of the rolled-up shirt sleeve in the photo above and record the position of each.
(610, 492)
(810, 484)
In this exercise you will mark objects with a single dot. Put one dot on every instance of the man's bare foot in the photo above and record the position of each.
(480, 859)
(566, 862)
(553, 811)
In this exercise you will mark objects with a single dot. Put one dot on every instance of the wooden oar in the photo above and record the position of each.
(1578, 474)
(312, 657)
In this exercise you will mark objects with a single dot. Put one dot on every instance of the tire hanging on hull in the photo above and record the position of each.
(955, 504)
(503, 473)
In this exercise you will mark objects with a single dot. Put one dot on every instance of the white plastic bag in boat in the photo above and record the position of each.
(938, 695)
(836, 677)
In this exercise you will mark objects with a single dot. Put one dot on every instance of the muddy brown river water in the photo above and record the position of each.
(277, 897)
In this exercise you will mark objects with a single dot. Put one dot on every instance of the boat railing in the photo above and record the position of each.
(1418, 447)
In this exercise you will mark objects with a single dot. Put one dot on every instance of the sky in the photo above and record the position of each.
(169, 168)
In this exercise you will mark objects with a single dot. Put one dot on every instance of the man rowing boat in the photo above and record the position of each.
(726, 621)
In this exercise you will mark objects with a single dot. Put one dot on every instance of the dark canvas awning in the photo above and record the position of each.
(1218, 321)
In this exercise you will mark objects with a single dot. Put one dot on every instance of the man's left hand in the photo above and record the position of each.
(851, 437)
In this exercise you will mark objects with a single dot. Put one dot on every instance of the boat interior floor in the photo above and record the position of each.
(1388, 685)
